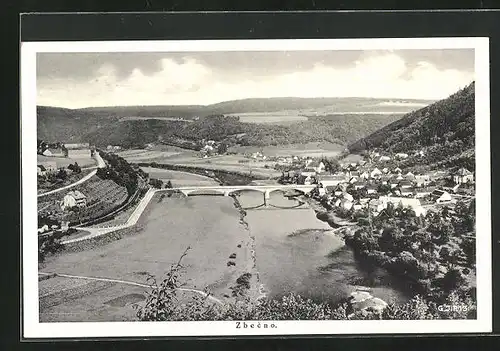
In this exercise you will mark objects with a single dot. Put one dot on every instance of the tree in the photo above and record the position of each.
(222, 149)
(169, 185)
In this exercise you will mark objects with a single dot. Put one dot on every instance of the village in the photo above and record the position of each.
(371, 184)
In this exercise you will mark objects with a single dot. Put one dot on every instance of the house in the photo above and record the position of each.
(339, 189)
(393, 182)
(420, 153)
(409, 176)
(405, 184)
(385, 170)
(330, 180)
(385, 179)
(318, 167)
(74, 199)
(376, 173)
(70, 146)
(422, 180)
(376, 205)
(365, 175)
(401, 156)
(357, 205)
(399, 177)
(441, 196)
(47, 152)
(384, 158)
(359, 185)
(371, 189)
(463, 175)
(40, 170)
(346, 204)
(406, 192)
(422, 192)
(397, 170)
(347, 196)
(308, 172)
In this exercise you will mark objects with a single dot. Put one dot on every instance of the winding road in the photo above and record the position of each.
(100, 164)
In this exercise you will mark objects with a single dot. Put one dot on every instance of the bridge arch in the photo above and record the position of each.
(238, 191)
(206, 192)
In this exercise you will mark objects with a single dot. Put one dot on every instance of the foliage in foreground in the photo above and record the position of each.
(164, 304)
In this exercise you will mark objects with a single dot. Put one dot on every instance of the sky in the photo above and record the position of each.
(76, 80)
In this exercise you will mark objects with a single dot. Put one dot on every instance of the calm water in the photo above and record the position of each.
(296, 253)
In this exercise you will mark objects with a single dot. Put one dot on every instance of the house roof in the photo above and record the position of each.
(463, 172)
(438, 192)
(77, 195)
(405, 182)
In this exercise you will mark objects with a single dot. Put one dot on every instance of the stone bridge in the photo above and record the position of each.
(266, 190)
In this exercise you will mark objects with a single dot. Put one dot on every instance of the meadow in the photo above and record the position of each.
(63, 162)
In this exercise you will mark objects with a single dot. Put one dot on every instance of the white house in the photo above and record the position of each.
(441, 196)
(397, 170)
(348, 197)
(365, 175)
(357, 205)
(422, 180)
(74, 199)
(346, 204)
(463, 175)
(401, 156)
(384, 158)
(385, 170)
(376, 173)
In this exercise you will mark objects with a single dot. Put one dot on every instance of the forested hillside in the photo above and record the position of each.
(445, 130)
(103, 126)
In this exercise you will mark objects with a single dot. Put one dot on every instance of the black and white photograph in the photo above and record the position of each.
(256, 187)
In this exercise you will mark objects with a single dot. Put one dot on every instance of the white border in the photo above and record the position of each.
(34, 329)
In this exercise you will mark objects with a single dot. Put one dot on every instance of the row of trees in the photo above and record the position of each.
(119, 171)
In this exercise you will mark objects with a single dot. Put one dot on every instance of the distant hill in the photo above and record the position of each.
(445, 130)
(102, 126)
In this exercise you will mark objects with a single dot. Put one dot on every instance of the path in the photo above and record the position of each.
(200, 292)
(132, 220)
(100, 164)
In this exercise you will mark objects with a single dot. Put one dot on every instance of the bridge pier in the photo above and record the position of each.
(267, 195)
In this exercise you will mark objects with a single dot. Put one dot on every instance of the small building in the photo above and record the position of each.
(371, 189)
(376, 205)
(463, 175)
(401, 156)
(385, 170)
(365, 175)
(331, 180)
(397, 170)
(348, 197)
(393, 182)
(376, 173)
(74, 199)
(406, 192)
(346, 204)
(308, 172)
(441, 196)
(422, 180)
(405, 184)
(384, 158)
(385, 179)
(357, 205)
(40, 170)
(422, 192)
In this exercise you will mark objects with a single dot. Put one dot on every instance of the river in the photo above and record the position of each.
(284, 246)
(296, 252)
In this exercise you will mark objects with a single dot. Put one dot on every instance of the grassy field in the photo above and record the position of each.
(141, 155)
(65, 161)
(209, 225)
(270, 117)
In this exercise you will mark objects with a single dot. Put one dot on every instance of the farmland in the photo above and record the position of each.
(102, 197)
(63, 162)
(282, 117)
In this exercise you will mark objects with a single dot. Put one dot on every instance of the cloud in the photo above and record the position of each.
(382, 75)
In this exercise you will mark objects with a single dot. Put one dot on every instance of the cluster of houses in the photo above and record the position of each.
(46, 168)
(72, 150)
(375, 188)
